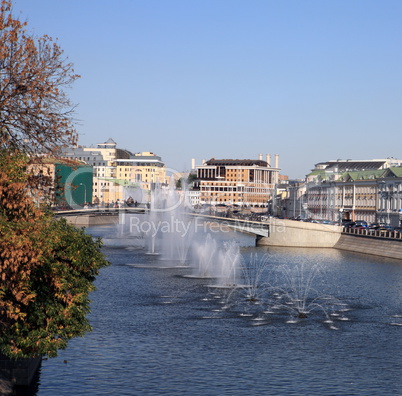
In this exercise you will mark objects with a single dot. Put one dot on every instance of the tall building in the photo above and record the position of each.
(243, 182)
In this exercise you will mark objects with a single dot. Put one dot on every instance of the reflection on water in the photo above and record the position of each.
(160, 332)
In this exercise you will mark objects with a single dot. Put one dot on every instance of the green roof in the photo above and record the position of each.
(364, 175)
(317, 172)
(396, 170)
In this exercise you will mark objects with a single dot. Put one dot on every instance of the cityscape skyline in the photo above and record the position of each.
(311, 82)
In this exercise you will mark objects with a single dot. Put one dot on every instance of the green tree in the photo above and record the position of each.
(179, 184)
(191, 178)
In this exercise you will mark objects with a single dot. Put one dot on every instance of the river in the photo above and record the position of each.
(158, 332)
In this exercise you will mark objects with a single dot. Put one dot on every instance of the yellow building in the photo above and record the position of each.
(115, 170)
(144, 169)
(241, 182)
(134, 178)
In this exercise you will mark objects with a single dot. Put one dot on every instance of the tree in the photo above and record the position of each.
(179, 184)
(47, 269)
(191, 178)
(35, 113)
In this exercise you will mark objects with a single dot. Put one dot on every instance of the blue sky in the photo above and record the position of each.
(308, 80)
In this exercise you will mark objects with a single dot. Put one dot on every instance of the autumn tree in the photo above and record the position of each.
(47, 269)
(36, 116)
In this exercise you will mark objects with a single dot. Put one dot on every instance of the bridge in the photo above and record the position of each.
(99, 216)
(96, 216)
(258, 228)
(275, 232)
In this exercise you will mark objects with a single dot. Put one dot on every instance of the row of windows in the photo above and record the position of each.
(93, 160)
(393, 204)
(150, 170)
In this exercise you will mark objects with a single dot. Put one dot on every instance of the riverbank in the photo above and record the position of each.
(377, 246)
(290, 233)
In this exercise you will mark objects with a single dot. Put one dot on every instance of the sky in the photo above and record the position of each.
(310, 80)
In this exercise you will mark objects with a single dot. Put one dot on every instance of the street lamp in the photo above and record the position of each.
(85, 192)
(353, 199)
(340, 216)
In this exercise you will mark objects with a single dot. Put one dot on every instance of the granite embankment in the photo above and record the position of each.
(290, 233)
(377, 246)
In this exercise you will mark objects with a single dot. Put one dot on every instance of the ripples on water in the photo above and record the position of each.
(157, 332)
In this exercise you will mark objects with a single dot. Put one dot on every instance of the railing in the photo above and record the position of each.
(374, 233)
(98, 211)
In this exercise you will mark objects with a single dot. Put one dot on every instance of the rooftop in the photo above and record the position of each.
(236, 162)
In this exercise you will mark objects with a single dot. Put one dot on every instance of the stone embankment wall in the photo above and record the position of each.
(377, 246)
(18, 372)
(92, 220)
(292, 233)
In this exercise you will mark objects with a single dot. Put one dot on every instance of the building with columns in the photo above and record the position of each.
(369, 190)
(243, 182)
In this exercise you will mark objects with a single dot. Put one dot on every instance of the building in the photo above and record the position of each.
(144, 168)
(65, 183)
(349, 189)
(242, 182)
(117, 171)
(369, 190)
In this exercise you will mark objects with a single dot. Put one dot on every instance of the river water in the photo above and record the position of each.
(158, 332)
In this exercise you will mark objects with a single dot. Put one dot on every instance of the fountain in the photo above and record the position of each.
(177, 228)
(255, 286)
(250, 286)
(289, 294)
(228, 266)
(299, 298)
(166, 229)
(205, 256)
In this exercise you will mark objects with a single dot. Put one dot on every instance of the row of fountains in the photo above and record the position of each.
(250, 285)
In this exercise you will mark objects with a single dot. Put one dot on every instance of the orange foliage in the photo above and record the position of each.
(47, 269)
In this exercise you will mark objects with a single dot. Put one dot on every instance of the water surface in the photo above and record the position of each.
(156, 332)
